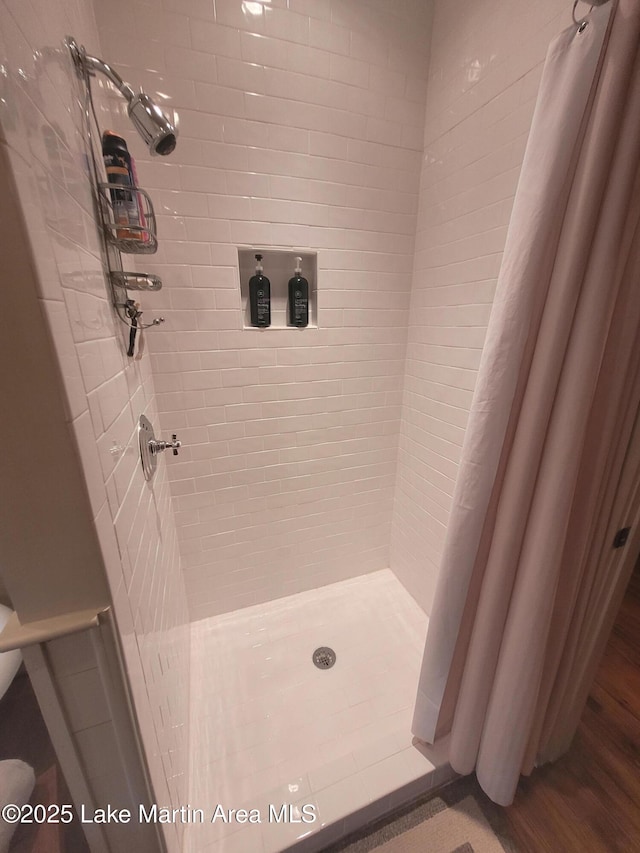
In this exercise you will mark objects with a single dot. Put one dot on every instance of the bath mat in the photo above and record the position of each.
(456, 829)
(451, 822)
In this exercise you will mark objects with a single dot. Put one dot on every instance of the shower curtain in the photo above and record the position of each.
(529, 578)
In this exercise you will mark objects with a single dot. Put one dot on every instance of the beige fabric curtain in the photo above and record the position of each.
(529, 579)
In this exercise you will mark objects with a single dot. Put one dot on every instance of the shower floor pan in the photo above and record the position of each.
(270, 729)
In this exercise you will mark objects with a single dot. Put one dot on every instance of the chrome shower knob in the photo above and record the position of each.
(150, 446)
(156, 446)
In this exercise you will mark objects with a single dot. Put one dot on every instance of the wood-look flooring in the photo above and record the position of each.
(589, 800)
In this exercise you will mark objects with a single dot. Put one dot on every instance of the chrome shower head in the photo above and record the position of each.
(154, 126)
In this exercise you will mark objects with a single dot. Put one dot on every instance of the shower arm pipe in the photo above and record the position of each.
(90, 64)
(93, 64)
(158, 131)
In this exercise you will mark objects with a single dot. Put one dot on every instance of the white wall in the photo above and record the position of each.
(40, 122)
(302, 126)
(486, 63)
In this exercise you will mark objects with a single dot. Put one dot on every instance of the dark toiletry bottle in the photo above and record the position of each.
(298, 298)
(120, 173)
(260, 297)
(144, 236)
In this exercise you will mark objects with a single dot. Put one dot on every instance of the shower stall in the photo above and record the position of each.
(308, 504)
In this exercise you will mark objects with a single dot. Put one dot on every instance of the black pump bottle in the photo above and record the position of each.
(260, 297)
(298, 298)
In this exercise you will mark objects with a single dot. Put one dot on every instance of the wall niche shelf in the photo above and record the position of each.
(278, 266)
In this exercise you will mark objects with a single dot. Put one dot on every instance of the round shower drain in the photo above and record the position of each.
(324, 657)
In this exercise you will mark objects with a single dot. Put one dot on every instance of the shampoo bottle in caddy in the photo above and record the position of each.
(120, 173)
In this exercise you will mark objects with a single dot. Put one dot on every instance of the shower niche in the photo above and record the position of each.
(279, 267)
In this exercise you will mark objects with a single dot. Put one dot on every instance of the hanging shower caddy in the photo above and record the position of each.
(159, 132)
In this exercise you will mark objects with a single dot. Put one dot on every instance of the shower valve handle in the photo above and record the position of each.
(156, 446)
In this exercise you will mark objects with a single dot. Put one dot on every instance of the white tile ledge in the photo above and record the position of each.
(376, 792)
(353, 802)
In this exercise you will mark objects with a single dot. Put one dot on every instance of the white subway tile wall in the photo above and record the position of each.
(486, 62)
(40, 121)
(301, 126)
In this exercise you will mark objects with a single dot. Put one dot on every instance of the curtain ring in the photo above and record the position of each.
(582, 21)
